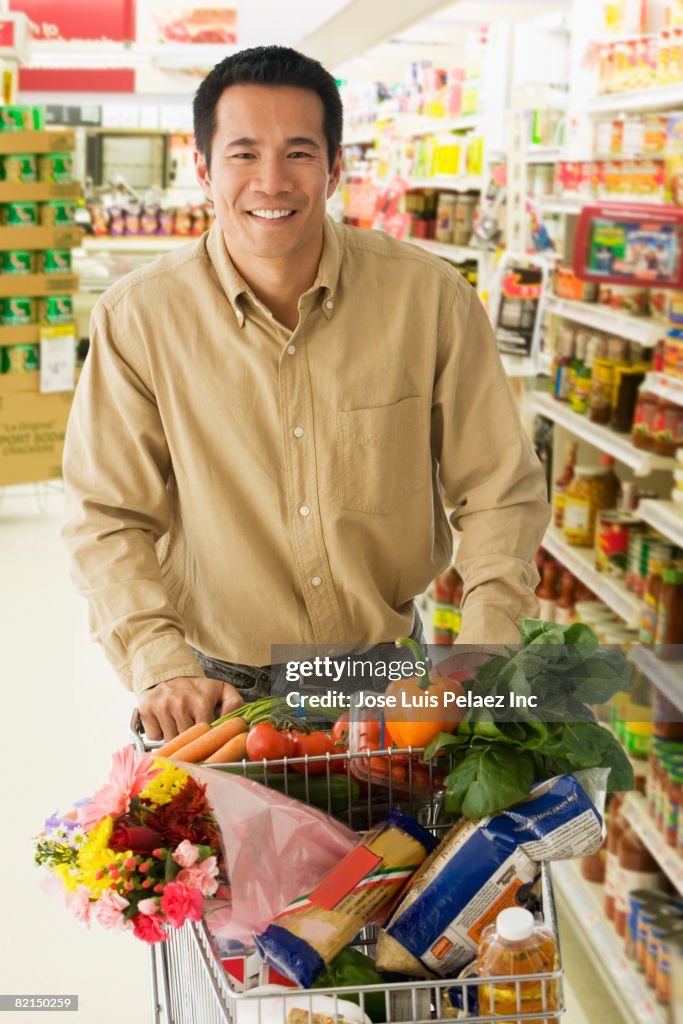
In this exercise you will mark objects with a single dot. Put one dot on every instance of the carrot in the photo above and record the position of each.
(186, 736)
(234, 750)
(206, 744)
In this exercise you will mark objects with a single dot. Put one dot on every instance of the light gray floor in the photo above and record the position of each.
(64, 713)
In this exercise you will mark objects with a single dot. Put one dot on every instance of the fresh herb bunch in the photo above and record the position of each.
(499, 754)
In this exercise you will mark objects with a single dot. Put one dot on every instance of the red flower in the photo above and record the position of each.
(134, 837)
(179, 903)
(148, 928)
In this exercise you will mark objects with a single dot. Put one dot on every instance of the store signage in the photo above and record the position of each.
(105, 20)
(182, 22)
(6, 33)
(57, 358)
(77, 80)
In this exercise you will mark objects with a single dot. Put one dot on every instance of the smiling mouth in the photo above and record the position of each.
(271, 214)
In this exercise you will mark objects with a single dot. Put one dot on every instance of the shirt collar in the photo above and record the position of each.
(235, 286)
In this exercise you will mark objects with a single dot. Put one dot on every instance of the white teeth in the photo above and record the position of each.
(271, 214)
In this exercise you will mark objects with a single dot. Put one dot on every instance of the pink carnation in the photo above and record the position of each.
(186, 854)
(110, 911)
(201, 877)
(148, 928)
(179, 903)
(149, 907)
(79, 905)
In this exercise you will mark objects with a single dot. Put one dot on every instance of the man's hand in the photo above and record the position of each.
(170, 707)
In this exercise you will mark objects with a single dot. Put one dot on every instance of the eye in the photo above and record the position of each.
(243, 156)
(299, 152)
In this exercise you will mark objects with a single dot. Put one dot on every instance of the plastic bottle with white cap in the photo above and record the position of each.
(515, 946)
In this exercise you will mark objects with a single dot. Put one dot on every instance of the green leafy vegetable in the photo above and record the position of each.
(496, 754)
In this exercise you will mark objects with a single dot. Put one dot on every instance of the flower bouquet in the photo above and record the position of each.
(142, 854)
(158, 844)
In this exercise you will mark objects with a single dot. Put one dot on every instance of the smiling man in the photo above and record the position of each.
(269, 416)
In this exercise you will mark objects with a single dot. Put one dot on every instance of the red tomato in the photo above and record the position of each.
(314, 744)
(290, 742)
(264, 741)
(369, 733)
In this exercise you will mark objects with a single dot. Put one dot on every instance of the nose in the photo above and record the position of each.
(272, 176)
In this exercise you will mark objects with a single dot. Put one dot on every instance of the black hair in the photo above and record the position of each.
(267, 65)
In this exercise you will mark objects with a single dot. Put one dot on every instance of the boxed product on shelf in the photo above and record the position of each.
(149, 219)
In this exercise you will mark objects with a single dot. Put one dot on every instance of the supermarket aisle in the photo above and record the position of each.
(64, 712)
(68, 713)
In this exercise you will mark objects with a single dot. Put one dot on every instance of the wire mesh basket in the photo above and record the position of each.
(190, 984)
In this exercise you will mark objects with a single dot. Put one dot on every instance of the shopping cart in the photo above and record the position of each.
(190, 986)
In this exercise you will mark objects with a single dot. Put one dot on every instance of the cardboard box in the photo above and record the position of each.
(38, 191)
(34, 285)
(39, 237)
(32, 428)
(19, 334)
(17, 383)
(50, 141)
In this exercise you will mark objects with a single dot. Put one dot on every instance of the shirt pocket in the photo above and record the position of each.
(383, 455)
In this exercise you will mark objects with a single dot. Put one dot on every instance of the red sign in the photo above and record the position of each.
(107, 20)
(76, 80)
(6, 33)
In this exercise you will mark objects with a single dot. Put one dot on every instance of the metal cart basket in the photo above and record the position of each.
(190, 986)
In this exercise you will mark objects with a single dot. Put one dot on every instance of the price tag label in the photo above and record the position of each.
(57, 358)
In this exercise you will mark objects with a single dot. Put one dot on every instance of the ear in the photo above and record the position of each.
(335, 174)
(202, 172)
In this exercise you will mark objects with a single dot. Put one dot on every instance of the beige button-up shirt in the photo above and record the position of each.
(232, 484)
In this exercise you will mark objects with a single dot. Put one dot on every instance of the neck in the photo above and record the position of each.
(279, 283)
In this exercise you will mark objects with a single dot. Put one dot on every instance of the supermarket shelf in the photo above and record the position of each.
(670, 388)
(34, 285)
(364, 138)
(38, 191)
(431, 125)
(48, 141)
(456, 253)
(583, 903)
(134, 243)
(446, 182)
(664, 97)
(20, 334)
(641, 329)
(543, 154)
(608, 441)
(581, 561)
(667, 676)
(663, 516)
(640, 819)
(519, 366)
(544, 364)
(564, 204)
(39, 237)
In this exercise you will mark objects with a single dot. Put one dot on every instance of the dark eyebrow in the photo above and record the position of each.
(297, 140)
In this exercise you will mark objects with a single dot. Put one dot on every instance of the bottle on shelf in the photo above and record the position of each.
(564, 609)
(611, 482)
(546, 593)
(637, 869)
(648, 615)
(562, 483)
(517, 945)
(669, 629)
(615, 826)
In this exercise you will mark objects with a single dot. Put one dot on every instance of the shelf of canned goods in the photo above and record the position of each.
(666, 676)
(639, 817)
(644, 330)
(583, 902)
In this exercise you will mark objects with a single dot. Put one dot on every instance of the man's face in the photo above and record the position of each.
(269, 179)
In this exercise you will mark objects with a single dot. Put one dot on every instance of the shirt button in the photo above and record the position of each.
(298, 431)
(316, 581)
(304, 511)
(329, 304)
(291, 349)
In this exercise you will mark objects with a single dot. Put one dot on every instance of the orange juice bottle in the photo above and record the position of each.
(517, 945)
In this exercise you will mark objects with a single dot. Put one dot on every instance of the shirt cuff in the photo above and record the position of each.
(164, 657)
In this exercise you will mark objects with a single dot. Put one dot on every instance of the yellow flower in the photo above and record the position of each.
(95, 855)
(69, 879)
(167, 784)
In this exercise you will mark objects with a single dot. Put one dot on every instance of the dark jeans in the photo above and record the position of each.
(254, 682)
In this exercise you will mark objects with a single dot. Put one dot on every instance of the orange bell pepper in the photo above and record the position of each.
(421, 713)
